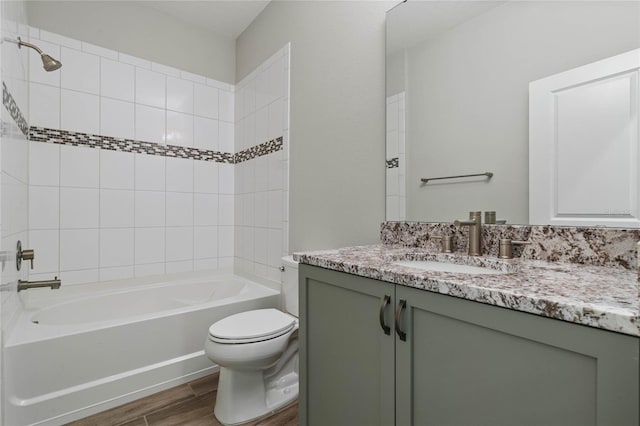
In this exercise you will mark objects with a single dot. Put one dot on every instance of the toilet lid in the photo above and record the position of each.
(252, 325)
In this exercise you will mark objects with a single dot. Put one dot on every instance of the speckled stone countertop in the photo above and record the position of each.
(596, 296)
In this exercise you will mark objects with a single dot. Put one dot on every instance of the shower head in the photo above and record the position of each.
(48, 62)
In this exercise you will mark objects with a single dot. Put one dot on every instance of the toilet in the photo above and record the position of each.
(257, 352)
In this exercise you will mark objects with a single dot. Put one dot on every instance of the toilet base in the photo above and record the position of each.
(244, 396)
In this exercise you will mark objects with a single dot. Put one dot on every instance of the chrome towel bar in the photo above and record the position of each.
(489, 175)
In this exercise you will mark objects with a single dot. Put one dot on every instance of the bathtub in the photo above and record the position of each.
(86, 348)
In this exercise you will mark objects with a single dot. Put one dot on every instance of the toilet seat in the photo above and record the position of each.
(252, 326)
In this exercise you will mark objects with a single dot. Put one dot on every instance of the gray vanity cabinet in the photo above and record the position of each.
(460, 363)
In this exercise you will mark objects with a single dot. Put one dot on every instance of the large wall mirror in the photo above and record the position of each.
(458, 75)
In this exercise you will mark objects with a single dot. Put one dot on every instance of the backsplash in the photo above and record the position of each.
(589, 246)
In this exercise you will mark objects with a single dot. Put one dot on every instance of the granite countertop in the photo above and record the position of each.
(596, 296)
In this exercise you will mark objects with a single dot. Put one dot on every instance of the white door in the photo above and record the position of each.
(583, 145)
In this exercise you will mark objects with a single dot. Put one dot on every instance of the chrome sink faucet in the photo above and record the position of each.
(475, 232)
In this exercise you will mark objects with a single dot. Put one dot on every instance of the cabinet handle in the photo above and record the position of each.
(401, 305)
(385, 301)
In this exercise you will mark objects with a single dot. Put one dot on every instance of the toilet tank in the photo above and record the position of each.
(290, 285)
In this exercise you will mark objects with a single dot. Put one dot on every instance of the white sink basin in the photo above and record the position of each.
(433, 265)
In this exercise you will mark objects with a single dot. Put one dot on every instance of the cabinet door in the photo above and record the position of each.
(466, 363)
(346, 359)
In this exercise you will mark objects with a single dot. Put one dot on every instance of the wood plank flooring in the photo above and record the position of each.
(190, 404)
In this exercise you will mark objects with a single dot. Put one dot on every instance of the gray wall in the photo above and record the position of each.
(139, 31)
(467, 108)
(337, 114)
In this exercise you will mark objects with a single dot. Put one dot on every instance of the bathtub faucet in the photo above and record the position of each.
(54, 284)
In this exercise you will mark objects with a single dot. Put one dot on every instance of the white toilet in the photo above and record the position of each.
(257, 352)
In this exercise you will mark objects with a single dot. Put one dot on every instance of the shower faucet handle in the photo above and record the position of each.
(26, 254)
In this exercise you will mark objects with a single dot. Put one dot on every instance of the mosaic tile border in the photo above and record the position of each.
(65, 137)
(14, 110)
(393, 163)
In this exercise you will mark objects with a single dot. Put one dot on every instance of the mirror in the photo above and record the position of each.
(458, 75)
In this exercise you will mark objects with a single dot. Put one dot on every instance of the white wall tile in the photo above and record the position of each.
(261, 173)
(275, 120)
(149, 172)
(79, 112)
(260, 246)
(79, 166)
(179, 243)
(205, 133)
(262, 126)
(274, 209)
(205, 209)
(226, 178)
(205, 101)
(206, 176)
(179, 174)
(117, 118)
(205, 242)
(275, 171)
(150, 124)
(45, 244)
(44, 163)
(81, 71)
(116, 247)
(149, 246)
(117, 80)
(44, 106)
(274, 247)
(260, 209)
(116, 169)
(149, 208)
(79, 208)
(179, 267)
(262, 90)
(117, 273)
(116, 208)
(150, 88)
(179, 209)
(78, 249)
(179, 129)
(179, 95)
(44, 207)
(205, 264)
(225, 210)
(226, 106)
(37, 74)
(79, 277)
(225, 137)
(149, 269)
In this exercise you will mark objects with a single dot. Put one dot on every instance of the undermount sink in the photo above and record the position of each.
(436, 266)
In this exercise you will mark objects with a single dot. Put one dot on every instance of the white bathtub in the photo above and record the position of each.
(82, 349)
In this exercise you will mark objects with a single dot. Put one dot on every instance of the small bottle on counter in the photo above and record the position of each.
(490, 218)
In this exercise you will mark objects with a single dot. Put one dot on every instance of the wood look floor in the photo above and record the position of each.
(190, 404)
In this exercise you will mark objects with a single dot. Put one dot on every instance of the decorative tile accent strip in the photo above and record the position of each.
(587, 246)
(11, 106)
(393, 163)
(266, 148)
(65, 137)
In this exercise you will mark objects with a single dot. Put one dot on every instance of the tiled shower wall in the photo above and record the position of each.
(102, 214)
(13, 158)
(262, 113)
(396, 201)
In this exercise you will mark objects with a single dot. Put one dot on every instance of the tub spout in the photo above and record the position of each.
(54, 284)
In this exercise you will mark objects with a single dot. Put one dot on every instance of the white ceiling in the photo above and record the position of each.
(228, 18)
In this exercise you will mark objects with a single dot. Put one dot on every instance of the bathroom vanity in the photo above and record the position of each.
(531, 342)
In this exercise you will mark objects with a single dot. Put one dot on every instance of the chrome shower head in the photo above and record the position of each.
(48, 63)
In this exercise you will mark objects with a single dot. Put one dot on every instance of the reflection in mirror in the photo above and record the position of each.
(458, 75)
